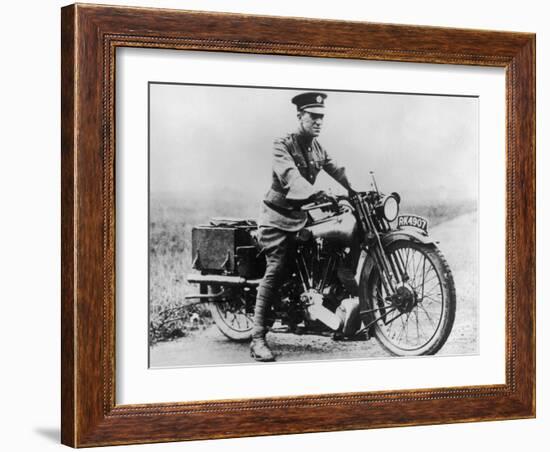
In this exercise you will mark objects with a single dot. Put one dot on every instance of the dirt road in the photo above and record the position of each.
(210, 346)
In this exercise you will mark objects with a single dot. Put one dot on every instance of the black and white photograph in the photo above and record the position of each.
(309, 224)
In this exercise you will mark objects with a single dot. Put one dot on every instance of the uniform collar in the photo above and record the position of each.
(304, 140)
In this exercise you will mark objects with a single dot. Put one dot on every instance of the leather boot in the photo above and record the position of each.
(260, 351)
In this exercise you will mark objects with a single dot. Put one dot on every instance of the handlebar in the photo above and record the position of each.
(313, 205)
(330, 202)
(326, 202)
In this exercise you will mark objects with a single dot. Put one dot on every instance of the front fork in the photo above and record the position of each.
(393, 275)
(391, 268)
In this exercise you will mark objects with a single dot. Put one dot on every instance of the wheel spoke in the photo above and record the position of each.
(413, 261)
(423, 275)
(417, 326)
(401, 330)
(234, 315)
(407, 261)
(407, 328)
(428, 316)
(420, 331)
(433, 278)
(433, 300)
(417, 268)
(432, 290)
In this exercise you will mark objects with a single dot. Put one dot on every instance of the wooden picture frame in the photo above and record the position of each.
(90, 36)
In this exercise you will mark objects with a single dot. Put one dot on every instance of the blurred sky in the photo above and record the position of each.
(212, 139)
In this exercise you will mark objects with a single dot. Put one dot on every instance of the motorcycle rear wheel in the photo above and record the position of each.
(420, 324)
(231, 316)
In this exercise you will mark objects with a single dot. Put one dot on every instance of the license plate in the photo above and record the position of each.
(412, 221)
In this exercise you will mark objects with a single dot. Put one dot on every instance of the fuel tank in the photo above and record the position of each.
(339, 228)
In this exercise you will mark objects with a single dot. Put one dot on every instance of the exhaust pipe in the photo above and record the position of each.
(204, 297)
(222, 280)
(218, 280)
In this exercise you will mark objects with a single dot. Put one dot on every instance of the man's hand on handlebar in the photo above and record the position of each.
(320, 197)
(321, 200)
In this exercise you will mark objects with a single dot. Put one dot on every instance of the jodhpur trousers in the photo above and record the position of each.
(277, 245)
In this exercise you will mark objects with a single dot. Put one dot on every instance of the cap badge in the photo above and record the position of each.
(319, 99)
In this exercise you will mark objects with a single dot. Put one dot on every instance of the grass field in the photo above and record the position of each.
(171, 221)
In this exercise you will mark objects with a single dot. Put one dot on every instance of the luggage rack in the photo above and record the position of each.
(233, 222)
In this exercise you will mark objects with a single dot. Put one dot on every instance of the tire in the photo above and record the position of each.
(231, 316)
(428, 313)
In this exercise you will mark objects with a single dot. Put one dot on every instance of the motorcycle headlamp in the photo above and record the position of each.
(389, 207)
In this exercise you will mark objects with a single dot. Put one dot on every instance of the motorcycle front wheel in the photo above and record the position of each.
(231, 315)
(418, 319)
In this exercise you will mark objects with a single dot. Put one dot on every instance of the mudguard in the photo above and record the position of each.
(402, 234)
(387, 239)
(367, 265)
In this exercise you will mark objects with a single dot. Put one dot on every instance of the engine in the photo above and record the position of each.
(338, 229)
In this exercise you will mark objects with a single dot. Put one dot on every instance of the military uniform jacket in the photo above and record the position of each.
(297, 161)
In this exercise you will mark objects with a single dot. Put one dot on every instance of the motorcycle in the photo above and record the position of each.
(406, 299)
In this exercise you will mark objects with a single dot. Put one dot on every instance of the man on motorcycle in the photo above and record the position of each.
(297, 160)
